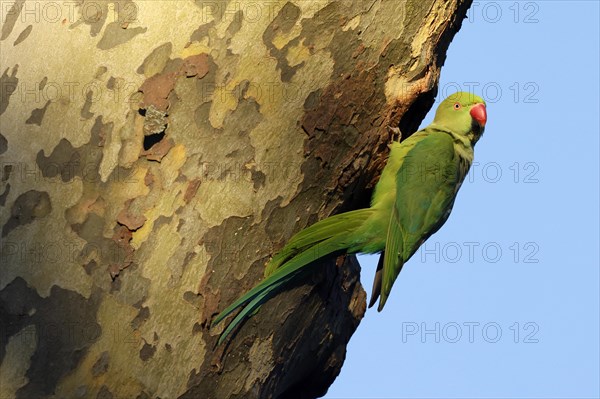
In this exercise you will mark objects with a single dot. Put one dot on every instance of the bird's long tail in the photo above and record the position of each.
(325, 237)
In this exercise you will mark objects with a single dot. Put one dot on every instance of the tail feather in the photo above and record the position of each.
(305, 247)
(267, 284)
(316, 233)
(250, 308)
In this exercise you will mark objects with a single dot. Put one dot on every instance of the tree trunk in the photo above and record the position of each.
(155, 155)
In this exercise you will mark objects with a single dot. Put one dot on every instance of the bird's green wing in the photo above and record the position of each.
(426, 185)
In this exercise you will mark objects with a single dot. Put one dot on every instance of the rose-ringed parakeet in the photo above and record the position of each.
(411, 201)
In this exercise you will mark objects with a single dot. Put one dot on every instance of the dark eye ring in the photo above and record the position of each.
(456, 105)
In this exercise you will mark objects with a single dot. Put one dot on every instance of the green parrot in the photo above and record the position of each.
(411, 201)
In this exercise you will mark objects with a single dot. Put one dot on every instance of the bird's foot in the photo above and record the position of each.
(395, 133)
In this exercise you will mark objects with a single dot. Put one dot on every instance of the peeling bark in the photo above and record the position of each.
(165, 151)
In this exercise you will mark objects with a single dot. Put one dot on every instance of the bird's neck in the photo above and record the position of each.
(463, 144)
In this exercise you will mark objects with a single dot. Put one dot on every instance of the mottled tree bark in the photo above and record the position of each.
(155, 154)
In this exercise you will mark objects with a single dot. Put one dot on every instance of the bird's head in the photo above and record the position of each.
(464, 114)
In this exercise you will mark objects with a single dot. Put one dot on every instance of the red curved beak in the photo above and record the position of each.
(479, 113)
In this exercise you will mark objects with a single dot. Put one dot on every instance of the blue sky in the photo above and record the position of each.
(503, 301)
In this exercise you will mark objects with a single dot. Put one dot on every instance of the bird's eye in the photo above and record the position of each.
(456, 105)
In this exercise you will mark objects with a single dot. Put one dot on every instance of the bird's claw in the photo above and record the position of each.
(395, 133)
